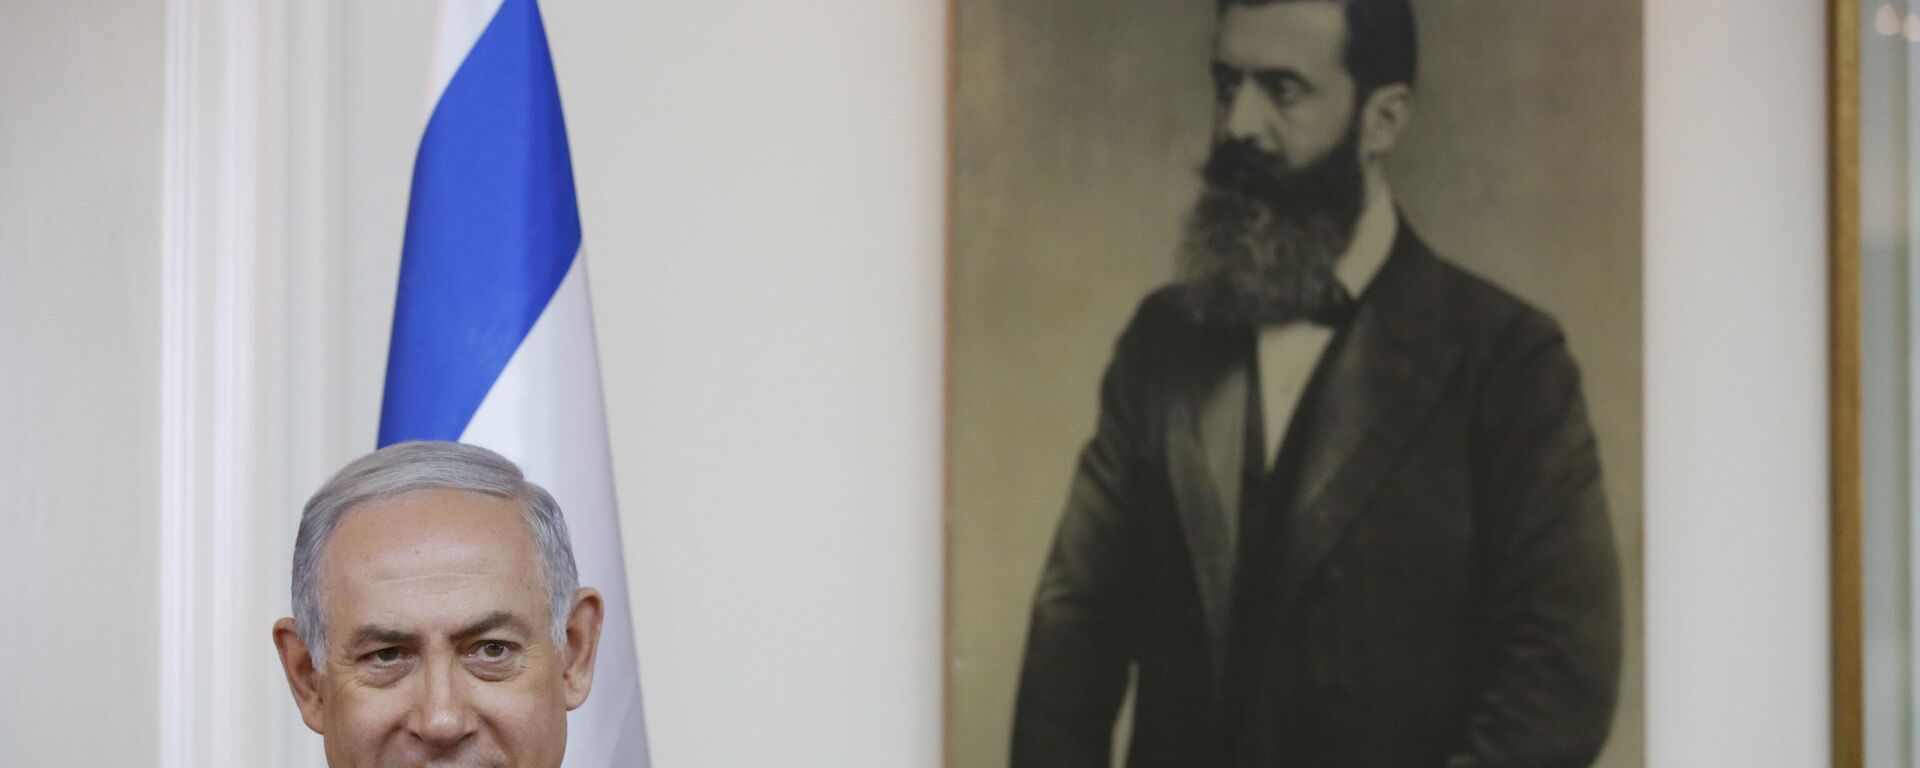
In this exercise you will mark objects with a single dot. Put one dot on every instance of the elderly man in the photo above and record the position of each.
(1342, 506)
(438, 618)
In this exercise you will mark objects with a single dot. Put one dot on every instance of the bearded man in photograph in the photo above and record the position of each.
(1342, 506)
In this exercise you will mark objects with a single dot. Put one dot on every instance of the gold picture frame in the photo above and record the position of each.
(1843, 125)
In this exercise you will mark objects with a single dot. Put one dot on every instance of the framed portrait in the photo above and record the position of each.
(1295, 399)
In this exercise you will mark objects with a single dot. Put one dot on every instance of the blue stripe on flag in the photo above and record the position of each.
(491, 230)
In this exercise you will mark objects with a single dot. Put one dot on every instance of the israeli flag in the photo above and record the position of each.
(493, 331)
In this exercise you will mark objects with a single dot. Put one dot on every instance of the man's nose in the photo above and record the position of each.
(444, 714)
(1249, 116)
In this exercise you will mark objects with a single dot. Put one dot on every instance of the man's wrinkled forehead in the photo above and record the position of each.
(431, 550)
(412, 633)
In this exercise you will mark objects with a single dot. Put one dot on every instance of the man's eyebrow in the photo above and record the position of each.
(373, 634)
(1268, 74)
(370, 634)
(1273, 71)
(491, 622)
(1265, 76)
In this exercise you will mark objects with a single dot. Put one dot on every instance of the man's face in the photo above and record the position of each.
(438, 649)
(1280, 77)
(1284, 184)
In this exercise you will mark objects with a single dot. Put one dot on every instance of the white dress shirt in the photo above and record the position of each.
(1288, 353)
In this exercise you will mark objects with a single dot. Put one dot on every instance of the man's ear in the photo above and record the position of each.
(583, 643)
(302, 678)
(1383, 118)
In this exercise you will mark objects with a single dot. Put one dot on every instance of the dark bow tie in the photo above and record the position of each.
(1335, 307)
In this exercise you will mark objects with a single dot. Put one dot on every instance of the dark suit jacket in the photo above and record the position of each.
(1442, 588)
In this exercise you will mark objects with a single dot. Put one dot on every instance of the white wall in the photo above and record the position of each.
(762, 189)
(1736, 458)
(80, 137)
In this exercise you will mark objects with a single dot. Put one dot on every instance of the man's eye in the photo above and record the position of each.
(494, 650)
(1226, 80)
(387, 655)
(1281, 89)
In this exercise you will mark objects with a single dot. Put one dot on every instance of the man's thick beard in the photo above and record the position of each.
(1260, 244)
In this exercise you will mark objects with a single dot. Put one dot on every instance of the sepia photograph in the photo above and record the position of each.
(1295, 405)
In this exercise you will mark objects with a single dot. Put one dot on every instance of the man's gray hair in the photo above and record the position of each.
(415, 466)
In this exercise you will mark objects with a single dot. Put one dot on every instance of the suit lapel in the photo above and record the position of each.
(1377, 387)
(1205, 437)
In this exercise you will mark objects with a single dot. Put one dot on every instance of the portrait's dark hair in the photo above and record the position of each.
(1382, 48)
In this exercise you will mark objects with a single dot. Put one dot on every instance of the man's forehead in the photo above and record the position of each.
(431, 544)
(431, 515)
(1304, 35)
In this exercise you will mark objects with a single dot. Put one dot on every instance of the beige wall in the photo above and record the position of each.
(80, 138)
(1079, 127)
